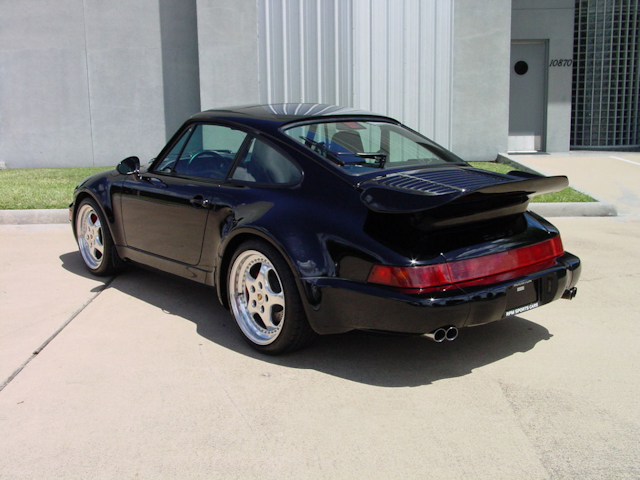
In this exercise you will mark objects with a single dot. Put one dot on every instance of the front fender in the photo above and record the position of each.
(102, 189)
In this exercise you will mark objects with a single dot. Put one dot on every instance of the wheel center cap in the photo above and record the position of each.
(260, 297)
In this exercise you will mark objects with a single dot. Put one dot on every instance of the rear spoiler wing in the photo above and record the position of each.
(383, 199)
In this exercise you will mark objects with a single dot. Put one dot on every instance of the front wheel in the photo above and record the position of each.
(94, 239)
(264, 300)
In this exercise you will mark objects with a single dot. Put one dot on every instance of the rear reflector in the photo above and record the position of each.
(474, 271)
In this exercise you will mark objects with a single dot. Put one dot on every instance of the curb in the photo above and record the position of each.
(601, 208)
(590, 209)
(574, 209)
(30, 217)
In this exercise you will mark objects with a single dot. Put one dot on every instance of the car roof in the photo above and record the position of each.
(282, 113)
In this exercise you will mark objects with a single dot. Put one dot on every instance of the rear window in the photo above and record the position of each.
(361, 146)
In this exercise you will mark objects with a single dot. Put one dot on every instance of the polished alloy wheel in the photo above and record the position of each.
(257, 297)
(90, 239)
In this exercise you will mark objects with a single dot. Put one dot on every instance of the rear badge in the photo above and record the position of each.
(516, 311)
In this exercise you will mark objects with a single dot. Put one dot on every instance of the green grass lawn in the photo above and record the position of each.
(27, 188)
(566, 195)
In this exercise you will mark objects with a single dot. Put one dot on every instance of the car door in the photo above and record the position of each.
(165, 210)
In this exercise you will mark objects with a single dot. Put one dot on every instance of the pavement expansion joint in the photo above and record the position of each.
(35, 353)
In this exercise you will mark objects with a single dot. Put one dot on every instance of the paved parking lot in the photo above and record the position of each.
(611, 176)
(151, 380)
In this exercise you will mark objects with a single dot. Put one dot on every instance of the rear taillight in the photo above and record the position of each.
(410, 277)
(474, 271)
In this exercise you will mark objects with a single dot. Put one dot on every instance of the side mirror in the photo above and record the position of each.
(129, 165)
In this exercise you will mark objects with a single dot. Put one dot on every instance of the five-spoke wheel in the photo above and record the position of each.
(94, 238)
(258, 297)
(264, 300)
(89, 231)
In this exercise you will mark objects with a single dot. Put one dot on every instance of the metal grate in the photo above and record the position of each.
(442, 182)
(606, 77)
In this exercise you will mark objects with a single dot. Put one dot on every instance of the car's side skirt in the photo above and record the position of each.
(165, 265)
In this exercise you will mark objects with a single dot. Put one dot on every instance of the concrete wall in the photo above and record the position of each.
(480, 106)
(228, 50)
(124, 74)
(90, 82)
(44, 95)
(180, 68)
(551, 20)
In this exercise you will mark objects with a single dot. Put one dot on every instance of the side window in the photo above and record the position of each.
(210, 152)
(169, 161)
(264, 164)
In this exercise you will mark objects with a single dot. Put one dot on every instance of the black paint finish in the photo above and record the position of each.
(332, 227)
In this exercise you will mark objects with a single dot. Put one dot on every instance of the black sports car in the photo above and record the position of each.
(316, 219)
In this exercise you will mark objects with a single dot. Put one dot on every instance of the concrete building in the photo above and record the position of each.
(86, 82)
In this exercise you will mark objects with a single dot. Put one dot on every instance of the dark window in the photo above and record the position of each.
(169, 161)
(605, 106)
(209, 152)
(521, 67)
(264, 164)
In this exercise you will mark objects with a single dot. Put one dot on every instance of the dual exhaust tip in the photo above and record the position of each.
(451, 333)
(443, 333)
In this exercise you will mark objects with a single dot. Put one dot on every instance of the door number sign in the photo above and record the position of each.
(567, 62)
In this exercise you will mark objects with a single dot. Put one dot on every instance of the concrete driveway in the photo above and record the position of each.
(150, 379)
(611, 176)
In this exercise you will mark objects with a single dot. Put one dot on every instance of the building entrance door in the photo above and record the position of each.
(528, 96)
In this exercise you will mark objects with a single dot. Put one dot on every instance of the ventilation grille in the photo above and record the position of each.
(606, 79)
(441, 182)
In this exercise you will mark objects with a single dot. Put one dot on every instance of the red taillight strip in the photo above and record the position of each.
(470, 271)
(474, 268)
(410, 277)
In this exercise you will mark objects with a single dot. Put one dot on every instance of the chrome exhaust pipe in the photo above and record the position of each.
(452, 334)
(443, 333)
(438, 335)
(570, 294)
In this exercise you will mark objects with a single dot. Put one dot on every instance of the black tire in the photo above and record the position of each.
(264, 300)
(94, 239)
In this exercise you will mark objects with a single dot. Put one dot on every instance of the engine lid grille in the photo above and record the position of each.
(440, 182)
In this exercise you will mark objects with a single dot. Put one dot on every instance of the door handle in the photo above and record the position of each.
(155, 182)
(200, 201)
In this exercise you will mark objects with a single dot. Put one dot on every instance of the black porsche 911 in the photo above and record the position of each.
(316, 219)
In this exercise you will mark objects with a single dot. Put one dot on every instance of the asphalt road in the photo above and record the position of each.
(150, 379)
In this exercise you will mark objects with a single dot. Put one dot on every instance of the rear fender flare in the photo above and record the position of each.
(313, 261)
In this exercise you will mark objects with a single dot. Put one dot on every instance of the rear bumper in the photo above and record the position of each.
(335, 305)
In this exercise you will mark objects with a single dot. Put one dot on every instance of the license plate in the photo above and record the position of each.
(521, 297)
(524, 308)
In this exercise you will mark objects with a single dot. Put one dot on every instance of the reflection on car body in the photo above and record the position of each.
(315, 219)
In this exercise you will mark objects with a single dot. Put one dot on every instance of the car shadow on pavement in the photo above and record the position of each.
(364, 357)
(73, 263)
(407, 361)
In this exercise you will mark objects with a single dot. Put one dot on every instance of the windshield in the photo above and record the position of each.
(361, 146)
